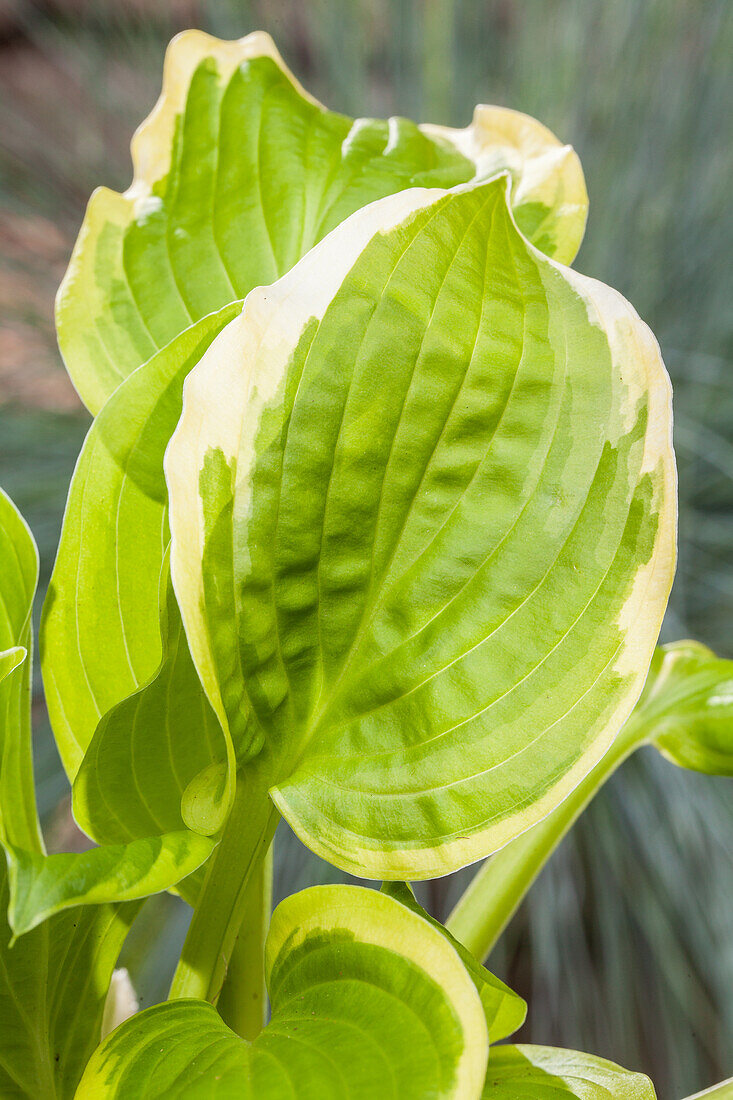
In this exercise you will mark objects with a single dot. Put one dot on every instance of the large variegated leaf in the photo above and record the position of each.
(41, 885)
(100, 631)
(238, 172)
(686, 709)
(545, 1073)
(423, 521)
(53, 982)
(368, 1000)
(504, 1009)
(234, 131)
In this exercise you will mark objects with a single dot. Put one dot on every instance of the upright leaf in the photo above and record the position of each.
(367, 1000)
(423, 530)
(53, 987)
(100, 631)
(532, 1073)
(18, 579)
(238, 172)
(53, 983)
(42, 885)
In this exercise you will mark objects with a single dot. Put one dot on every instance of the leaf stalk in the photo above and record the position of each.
(498, 888)
(224, 899)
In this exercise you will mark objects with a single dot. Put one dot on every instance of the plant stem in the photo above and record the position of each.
(222, 903)
(243, 1001)
(496, 891)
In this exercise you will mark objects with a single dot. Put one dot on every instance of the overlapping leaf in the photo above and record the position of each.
(41, 885)
(504, 1009)
(423, 520)
(100, 631)
(147, 750)
(238, 172)
(536, 1073)
(367, 1000)
(53, 982)
(53, 985)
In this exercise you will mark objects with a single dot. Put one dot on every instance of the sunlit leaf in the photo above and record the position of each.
(53, 987)
(53, 982)
(100, 631)
(18, 579)
(686, 709)
(238, 172)
(549, 199)
(368, 1000)
(545, 1073)
(41, 885)
(423, 521)
(147, 750)
(504, 1009)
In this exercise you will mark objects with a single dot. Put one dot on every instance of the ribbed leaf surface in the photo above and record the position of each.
(423, 520)
(41, 885)
(238, 172)
(368, 1000)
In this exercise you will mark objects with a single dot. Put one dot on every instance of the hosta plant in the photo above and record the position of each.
(374, 530)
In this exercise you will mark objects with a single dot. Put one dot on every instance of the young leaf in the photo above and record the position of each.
(100, 630)
(423, 522)
(238, 172)
(686, 708)
(18, 579)
(42, 885)
(519, 1072)
(53, 983)
(504, 1009)
(367, 1000)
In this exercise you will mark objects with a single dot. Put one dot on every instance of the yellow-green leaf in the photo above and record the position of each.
(423, 521)
(238, 172)
(368, 1000)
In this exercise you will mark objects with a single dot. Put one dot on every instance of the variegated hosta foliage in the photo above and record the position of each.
(368, 1000)
(431, 466)
(375, 528)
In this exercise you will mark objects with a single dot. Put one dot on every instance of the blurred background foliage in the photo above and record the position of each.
(625, 945)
